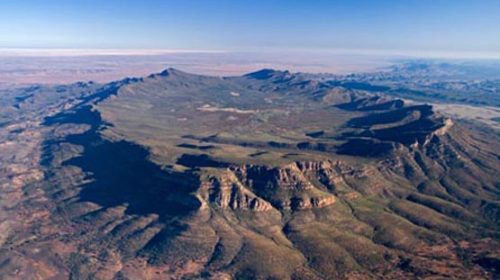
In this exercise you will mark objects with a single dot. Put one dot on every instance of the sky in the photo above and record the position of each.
(441, 26)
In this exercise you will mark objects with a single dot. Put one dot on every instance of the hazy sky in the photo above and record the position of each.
(399, 25)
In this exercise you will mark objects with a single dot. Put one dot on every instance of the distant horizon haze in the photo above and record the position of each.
(442, 28)
(388, 53)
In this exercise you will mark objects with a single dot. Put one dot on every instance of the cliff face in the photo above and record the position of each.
(226, 191)
(262, 188)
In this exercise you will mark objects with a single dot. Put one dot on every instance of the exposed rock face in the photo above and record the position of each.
(387, 131)
(285, 187)
(251, 187)
(227, 192)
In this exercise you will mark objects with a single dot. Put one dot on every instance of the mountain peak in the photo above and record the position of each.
(167, 72)
(266, 73)
(171, 71)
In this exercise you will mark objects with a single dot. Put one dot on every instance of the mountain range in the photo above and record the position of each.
(269, 175)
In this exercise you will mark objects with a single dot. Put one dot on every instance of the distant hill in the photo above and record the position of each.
(468, 82)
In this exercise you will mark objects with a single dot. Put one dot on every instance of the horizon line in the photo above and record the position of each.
(388, 53)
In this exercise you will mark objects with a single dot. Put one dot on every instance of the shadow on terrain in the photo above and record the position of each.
(196, 161)
(121, 174)
(195, 147)
(379, 132)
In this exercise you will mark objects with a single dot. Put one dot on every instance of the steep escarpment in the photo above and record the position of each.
(384, 129)
(226, 191)
(287, 187)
